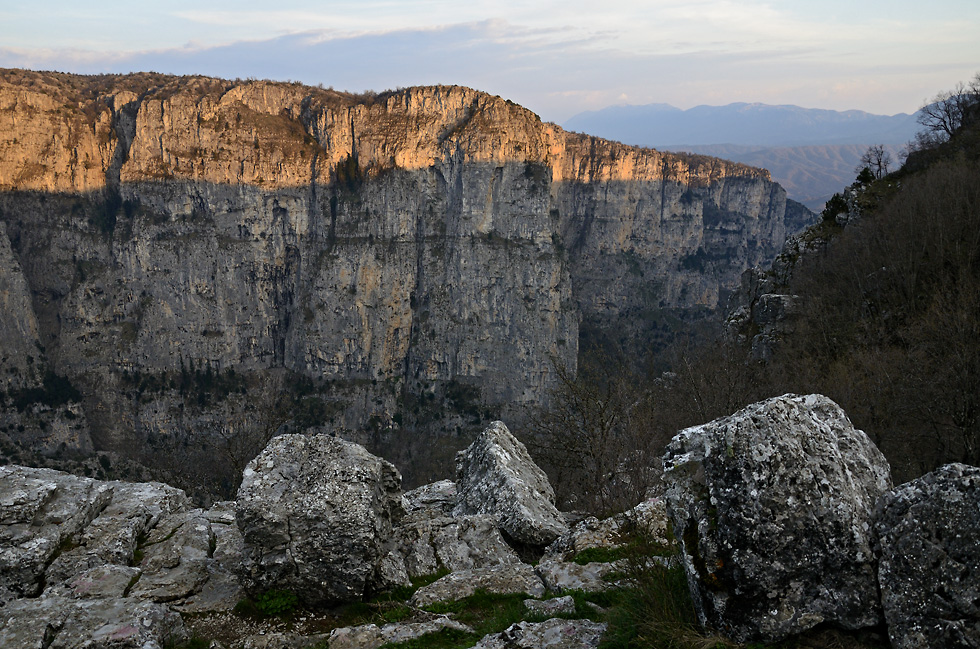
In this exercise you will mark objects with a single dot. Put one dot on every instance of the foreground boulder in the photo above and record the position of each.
(315, 515)
(496, 476)
(929, 570)
(772, 507)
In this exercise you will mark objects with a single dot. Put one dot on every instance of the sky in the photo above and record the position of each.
(557, 58)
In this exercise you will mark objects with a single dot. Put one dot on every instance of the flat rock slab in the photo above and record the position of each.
(501, 580)
(550, 607)
(371, 636)
(58, 623)
(108, 581)
(41, 512)
(929, 569)
(560, 576)
(550, 634)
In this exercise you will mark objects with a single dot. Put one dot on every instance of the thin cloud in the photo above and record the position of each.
(556, 70)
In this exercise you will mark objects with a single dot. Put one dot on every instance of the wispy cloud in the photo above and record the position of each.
(579, 56)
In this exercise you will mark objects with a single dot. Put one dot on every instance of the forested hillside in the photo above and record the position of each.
(877, 306)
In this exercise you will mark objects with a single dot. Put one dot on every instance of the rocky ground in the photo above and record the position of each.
(787, 530)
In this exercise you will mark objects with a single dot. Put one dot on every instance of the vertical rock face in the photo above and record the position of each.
(773, 508)
(315, 514)
(430, 240)
(929, 539)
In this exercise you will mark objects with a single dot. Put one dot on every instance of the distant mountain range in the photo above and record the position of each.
(811, 152)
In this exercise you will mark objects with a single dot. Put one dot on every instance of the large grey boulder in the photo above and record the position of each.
(315, 515)
(773, 507)
(495, 475)
(929, 568)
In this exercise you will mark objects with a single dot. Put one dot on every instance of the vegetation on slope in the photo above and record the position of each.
(886, 323)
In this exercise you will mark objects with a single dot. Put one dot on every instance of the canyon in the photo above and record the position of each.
(189, 265)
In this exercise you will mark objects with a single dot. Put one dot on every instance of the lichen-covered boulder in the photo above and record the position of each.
(773, 509)
(496, 476)
(315, 515)
(929, 566)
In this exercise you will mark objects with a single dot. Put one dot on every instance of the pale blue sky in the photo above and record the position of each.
(556, 58)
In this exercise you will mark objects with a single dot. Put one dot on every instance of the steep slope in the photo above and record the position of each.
(209, 260)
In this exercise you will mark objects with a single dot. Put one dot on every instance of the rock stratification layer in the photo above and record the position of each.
(432, 240)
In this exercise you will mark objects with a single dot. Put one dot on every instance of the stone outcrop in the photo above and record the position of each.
(773, 509)
(496, 476)
(89, 563)
(929, 543)
(315, 514)
(430, 241)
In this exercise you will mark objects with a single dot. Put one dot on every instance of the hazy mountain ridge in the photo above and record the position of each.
(660, 125)
(810, 174)
(812, 153)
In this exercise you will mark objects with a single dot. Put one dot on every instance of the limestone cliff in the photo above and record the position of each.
(190, 235)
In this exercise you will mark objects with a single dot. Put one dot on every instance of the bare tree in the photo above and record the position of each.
(596, 440)
(876, 159)
(950, 109)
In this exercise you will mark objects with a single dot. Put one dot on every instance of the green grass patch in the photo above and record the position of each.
(601, 555)
(656, 611)
(485, 612)
(274, 603)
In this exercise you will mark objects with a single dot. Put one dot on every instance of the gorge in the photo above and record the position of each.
(189, 265)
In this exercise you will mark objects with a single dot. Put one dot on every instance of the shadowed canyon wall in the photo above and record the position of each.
(190, 263)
